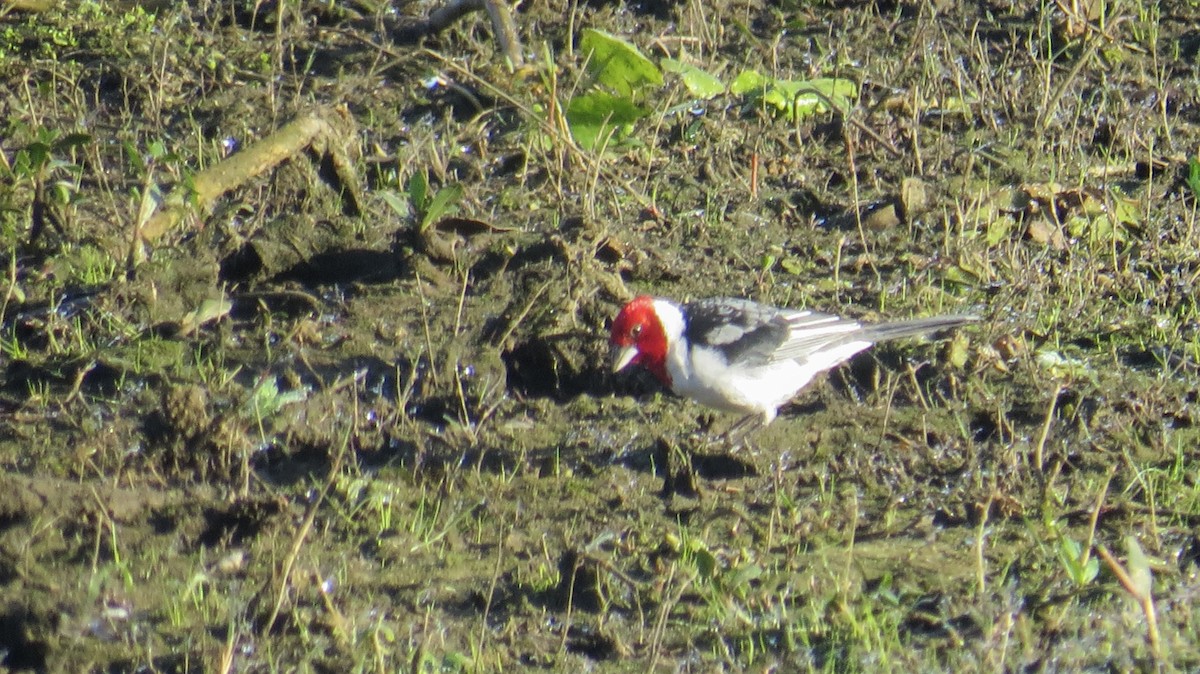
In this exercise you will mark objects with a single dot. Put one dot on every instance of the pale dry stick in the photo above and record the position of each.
(425, 323)
(705, 25)
(980, 533)
(338, 624)
(12, 290)
(1040, 448)
(302, 533)
(562, 645)
(377, 647)
(112, 530)
(1043, 118)
(912, 379)
(1151, 507)
(322, 129)
(487, 606)
(887, 411)
(462, 300)
(1145, 599)
(858, 219)
(754, 176)
(664, 612)
(462, 396)
(853, 533)
(521, 315)
(1087, 548)
(226, 664)
(1008, 629)
(471, 429)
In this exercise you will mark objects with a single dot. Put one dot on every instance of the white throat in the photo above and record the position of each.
(678, 366)
(671, 319)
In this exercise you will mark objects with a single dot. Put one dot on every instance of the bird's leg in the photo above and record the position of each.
(679, 476)
(741, 430)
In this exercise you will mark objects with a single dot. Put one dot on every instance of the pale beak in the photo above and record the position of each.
(622, 357)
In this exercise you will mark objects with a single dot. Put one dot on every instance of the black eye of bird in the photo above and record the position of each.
(637, 330)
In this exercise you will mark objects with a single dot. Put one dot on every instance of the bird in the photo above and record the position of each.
(741, 356)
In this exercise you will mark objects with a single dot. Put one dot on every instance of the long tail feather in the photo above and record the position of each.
(883, 332)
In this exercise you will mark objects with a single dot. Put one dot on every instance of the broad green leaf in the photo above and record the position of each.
(1000, 229)
(706, 562)
(418, 190)
(593, 115)
(748, 81)
(804, 98)
(796, 97)
(743, 575)
(402, 207)
(618, 64)
(792, 265)
(1125, 210)
(443, 203)
(1081, 571)
(699, 83)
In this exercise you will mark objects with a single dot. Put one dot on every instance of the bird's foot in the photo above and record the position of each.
(738, 435)
(679, 475)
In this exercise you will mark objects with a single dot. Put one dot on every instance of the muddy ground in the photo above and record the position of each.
(319, 425)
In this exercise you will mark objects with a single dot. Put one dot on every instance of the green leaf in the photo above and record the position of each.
(402, 207)
(1000, 229)
(593, 116)
(795, 98)
(1069, 551)
(1125, 210)
(792, 265)
(809, 97)
(38, 155)
(418, 190)
(748, 81)
(1137, 565)
(743, 575)
(266, 399)
(1058, 365)
(699, 83)
(706, 562)
(618, 64)
(1193, 179)
(443, 203)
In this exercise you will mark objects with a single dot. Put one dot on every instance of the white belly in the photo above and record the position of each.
(707, 379)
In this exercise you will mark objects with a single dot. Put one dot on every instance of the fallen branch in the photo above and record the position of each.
(327, 132)
(27, 6)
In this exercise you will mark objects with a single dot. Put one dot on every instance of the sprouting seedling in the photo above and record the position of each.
(426, 209)
(423, 209)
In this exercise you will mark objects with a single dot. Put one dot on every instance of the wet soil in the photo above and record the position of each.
(307, 429)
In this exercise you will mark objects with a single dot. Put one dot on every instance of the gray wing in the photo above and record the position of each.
(740, 330)
(810, 332)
